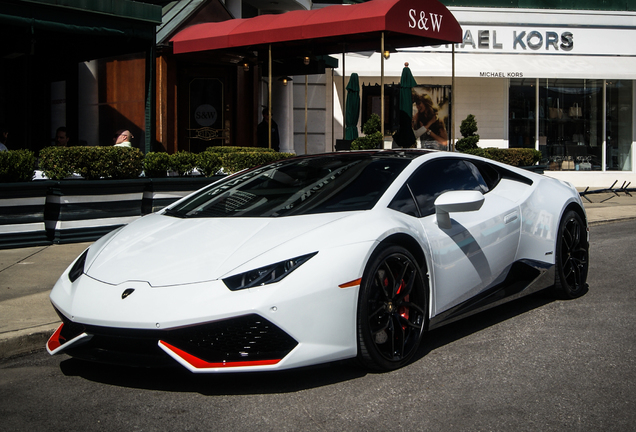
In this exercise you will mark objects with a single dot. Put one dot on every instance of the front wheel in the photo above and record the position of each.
(392, 309)
(572, 257)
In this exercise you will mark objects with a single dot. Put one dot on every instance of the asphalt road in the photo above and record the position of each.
(532, 365)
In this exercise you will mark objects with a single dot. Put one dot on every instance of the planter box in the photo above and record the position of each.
(47, 211)
(161, 192)
(342, 144)
(85, 210)
(22, 207)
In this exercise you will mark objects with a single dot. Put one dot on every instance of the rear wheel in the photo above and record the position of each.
(392, 309)
(572, 257)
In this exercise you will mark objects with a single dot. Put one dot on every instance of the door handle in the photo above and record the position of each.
(511, 217)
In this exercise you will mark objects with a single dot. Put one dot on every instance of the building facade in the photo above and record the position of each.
(557, 80)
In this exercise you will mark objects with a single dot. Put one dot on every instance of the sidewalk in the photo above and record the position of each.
(27, 275)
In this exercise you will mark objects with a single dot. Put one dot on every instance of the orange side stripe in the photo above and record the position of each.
(351, 284)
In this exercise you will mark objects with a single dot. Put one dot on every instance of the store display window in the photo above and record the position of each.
(570, 124)
(563, 118)
(522, 115)
(619, 125)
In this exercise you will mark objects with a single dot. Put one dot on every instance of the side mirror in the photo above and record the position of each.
(456, 201)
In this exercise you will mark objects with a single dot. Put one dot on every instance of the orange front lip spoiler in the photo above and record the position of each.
(198, 363)
(57, 342)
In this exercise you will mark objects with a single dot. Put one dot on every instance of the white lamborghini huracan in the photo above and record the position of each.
(321, 258)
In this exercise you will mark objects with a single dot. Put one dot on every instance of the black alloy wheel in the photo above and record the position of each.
(392, 309)
(572, 257)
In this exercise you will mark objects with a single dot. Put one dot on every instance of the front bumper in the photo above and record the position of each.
(245, 341)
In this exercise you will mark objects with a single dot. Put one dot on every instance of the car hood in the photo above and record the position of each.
(165, 251)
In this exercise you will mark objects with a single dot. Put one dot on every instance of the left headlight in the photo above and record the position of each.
(266, 275)
(78, 268)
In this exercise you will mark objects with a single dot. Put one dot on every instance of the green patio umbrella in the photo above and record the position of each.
(352, 108)
(404, 137)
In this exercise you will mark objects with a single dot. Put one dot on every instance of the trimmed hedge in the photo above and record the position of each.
(372, 138)
(209, 162)
(16, 165)
(156, 164)
(232, 149)
(234, 162)
(518, 157)
(470, 138)
(183, 163)
(91, 162)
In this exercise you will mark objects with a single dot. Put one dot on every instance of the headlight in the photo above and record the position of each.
(266, 275)
(78, 268)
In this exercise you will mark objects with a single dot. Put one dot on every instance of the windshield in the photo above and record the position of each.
(319, 184)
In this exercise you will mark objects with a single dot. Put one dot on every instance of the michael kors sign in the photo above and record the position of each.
(520, 40)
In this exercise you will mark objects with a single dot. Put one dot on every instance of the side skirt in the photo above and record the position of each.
(524, 278)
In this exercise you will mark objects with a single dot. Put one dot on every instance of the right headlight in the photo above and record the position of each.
(266, 275)
(78, 268)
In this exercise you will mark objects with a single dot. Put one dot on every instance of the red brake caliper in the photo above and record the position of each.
(404, 311)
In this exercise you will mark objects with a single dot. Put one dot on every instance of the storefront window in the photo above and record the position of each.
(619, 125)
(522, 116)
(570, 124)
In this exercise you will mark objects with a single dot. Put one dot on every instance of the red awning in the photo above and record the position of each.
(405, 23)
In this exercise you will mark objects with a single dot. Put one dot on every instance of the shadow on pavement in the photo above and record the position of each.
(460, 329)
(178, 379)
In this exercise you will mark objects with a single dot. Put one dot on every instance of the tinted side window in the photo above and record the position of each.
(490, 175)
(443, 175)
(403, 202)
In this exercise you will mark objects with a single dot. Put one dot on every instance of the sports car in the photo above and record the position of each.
(321, 258)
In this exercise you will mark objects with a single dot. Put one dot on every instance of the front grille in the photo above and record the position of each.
(246, 338)
(250, 337)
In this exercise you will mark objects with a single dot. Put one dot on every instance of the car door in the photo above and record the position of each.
(478, 249)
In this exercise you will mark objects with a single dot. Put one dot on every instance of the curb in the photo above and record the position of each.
(607, 221)
(25, 341)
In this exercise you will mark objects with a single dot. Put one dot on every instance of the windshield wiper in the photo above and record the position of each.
(174, 213)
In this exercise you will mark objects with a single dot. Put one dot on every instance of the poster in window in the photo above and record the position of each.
(431, 116)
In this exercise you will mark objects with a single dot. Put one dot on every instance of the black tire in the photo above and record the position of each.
(392, 309)
(572, 257)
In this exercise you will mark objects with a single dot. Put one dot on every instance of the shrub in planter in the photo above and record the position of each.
(57, 162)
(209, 163)
(470, 138)
(518, 157)
(234, 162)
(156, 164)
(372, 135)
(231, 149)
(91, 162)
(128, 162)
(16, 165)
(183, 162)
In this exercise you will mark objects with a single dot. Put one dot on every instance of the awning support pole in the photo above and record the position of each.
(453, 99)
(333, 135)
(269, 99)
(382, 87)
(306, 86)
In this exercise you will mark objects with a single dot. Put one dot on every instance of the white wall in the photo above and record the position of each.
(487, 100)
(318, 115)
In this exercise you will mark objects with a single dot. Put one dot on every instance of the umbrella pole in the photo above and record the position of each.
(269, 98)
(344, 112)
(382, 87)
